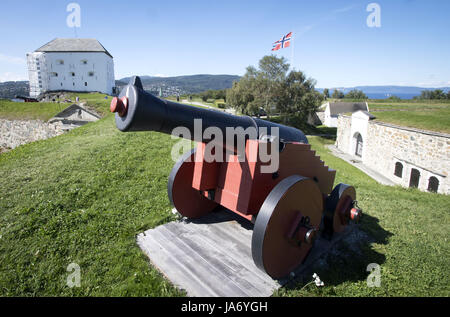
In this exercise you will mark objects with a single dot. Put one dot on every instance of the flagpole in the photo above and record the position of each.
(292, 52)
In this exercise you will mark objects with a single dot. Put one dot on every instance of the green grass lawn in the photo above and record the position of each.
(98, 101)
(409, 239)
(431, 119)
(46, 110)
(83, 197)
(431, 115)
(383, 104)
(29, 110)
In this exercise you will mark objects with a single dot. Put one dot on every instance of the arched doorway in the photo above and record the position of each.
(358, 144)
(415, 177)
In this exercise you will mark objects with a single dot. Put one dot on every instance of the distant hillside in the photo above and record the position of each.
(168, 85)
(198, 83)
(187, 84)
(9, 89)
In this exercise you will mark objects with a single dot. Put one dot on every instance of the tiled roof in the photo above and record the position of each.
(343, 107)
(73, 45)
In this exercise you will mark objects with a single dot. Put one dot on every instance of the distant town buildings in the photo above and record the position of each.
(71, 65)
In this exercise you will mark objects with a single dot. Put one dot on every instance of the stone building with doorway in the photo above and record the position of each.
(407, 156)
(71, 65)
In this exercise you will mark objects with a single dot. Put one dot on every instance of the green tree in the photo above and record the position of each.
(394, 98)
(326, 93)
(241, 96)
(269, 78)
(356, 94)
(433, 94)
(438, 94)
(298, 97)
(272, 88)
(337, 94)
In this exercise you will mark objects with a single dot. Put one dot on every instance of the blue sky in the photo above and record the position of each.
(332, 42)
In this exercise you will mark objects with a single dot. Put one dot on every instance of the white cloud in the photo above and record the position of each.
(12, 59)
(344, 9)
(434, 84)
(325, 18)
(8, 76)
(160, 75)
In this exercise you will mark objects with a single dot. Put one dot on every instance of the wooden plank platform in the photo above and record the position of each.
(212, 256)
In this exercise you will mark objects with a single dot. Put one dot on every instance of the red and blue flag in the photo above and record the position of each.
(285, 41)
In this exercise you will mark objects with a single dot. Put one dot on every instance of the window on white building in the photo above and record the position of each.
(398, 169)
(84, 62)
(54, 74)
(414, 179)
(72, 74)
(358, 144)
(91, 74)
(433, 184)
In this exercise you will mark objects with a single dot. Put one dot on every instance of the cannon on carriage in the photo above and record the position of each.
(289, 206)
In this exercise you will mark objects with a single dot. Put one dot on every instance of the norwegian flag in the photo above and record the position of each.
(285, 41)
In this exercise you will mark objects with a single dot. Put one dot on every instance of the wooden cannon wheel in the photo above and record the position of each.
(272, 248)
(339, 201)
(188, 201)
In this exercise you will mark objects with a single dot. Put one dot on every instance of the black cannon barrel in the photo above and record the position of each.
(141, 111)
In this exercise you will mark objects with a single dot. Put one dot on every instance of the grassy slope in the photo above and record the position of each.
(434, 120)
(409, 229)
(46, 110)
(28, 110)
(427, 115)
(95, 100)
(82, 197)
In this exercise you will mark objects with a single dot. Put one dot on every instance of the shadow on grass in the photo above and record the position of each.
(348, 259)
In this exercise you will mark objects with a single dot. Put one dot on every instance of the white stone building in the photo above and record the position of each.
(333, 109)
(408, 157)
(71, 65)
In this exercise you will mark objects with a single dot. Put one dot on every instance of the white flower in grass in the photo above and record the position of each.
(317, 280)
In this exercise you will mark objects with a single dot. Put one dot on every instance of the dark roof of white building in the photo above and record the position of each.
(343, 107)
(367, 113)
(73, 45)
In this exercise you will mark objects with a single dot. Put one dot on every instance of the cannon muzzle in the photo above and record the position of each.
(137, 110)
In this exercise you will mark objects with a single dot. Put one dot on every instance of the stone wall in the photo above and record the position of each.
(344, 125)
(17, 132)
(321, 116)
(385, 145)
